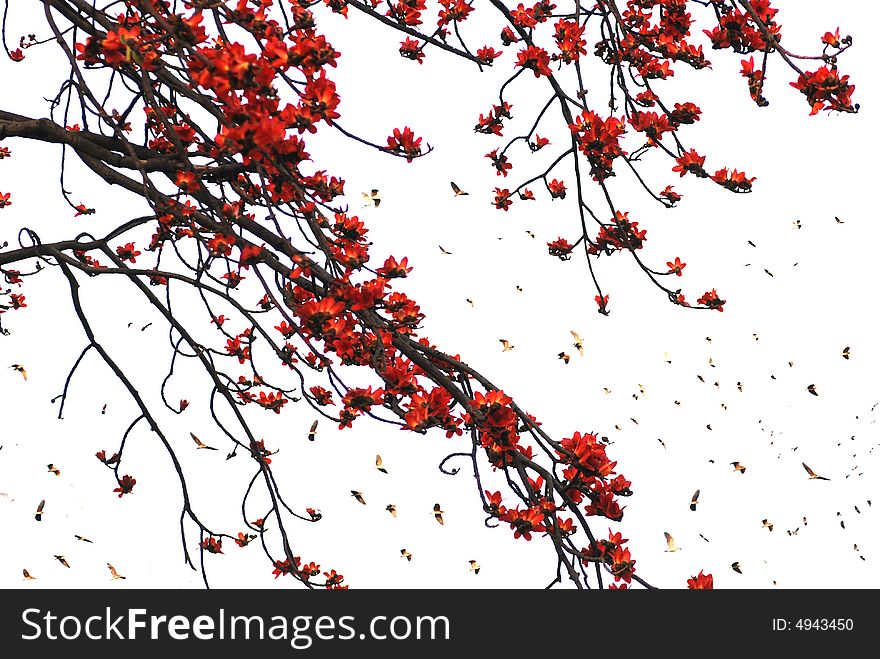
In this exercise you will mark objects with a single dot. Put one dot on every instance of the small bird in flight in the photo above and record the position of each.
(738, 467)
(767, 524)
(371, 199)
(814, 475)
(694, 501)
(39, 514)
(475, 567)
(27, 575)
(736, 567)
(55, 470)
(812, 389)
(20, 369)
(62, 560)
(443, 250)
(200, 444)
(564, 357)
(845, 353)
(506, 347)
(578, 342)
(379, 465)
(405, 554)
(359, 497)
(457, 190)
(313, 430)
(670, 542)
(391, 508)
(83, 539)
(438, 513)
(113, 573)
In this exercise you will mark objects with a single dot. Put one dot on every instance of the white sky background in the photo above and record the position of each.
(808, 168)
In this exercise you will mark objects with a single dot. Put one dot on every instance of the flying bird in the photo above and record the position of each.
(379, 465)
(27, 575)
(405, 554)
(20, 369)
(371, 199)
(83, 539)
(443, 250)
(845, 353)
(703, 537)
(812, 389)
(578, 342)
(313, 430)
(62, 560)
(838, 220)
(200, 444)
(359, 496)
(55, 470)
(391, 508)
(475, 567)
(563, 356)
(39, 514)
(767, 524)
(736, 567)
(694, 501)
(738, 467)
(438, 514)
(457, 190)
(113, 573)
(670, 542)
(814, 475)
(531, 235)
(506, 345)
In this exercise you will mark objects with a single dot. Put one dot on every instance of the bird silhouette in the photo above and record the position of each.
(113, 573)
(438, 513)
(391, 508)
(371, 198)
(200, 444)
(457, 190)
(379, 465)
(506, 347)
(670, 542)
(405, 554)
(475, 567)
(62, 560)
(21, 369)
(39, 514)
(814, 475)
(359, 497)
(578, 342)
(694, 501)
(313, 430)
(53, 469)
(27, 575)
(738, 467)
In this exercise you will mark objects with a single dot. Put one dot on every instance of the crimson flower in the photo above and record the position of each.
(126, 483)
(560, 248)
(711, 300)
(700, 582)
(675, 266)
(212, 545)
(557, 189)
(127, 252)
(405, 142)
